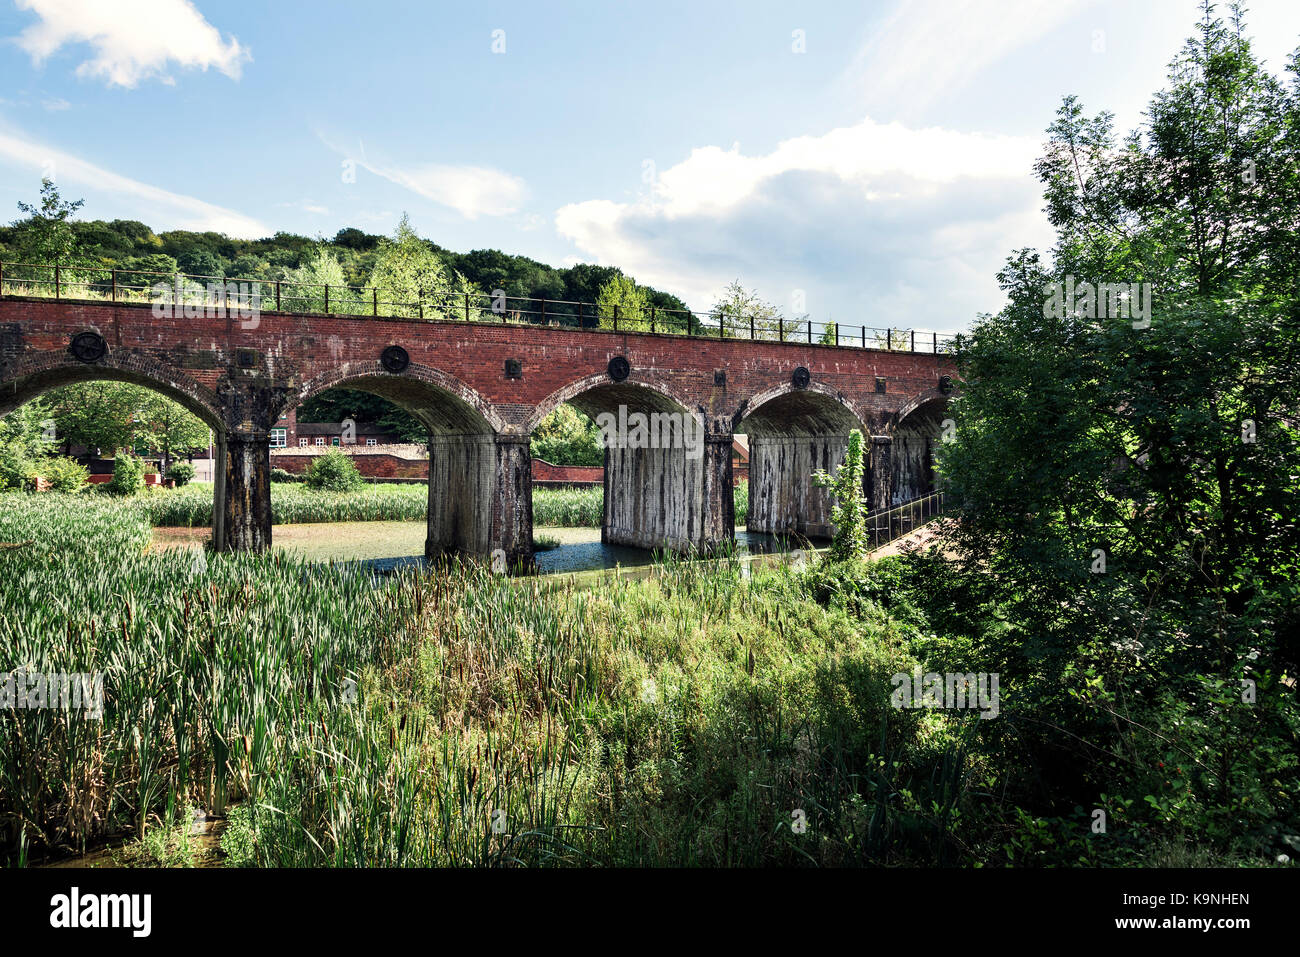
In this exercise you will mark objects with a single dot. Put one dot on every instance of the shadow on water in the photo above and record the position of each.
(593, 555)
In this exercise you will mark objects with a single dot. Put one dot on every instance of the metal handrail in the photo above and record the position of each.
(888, 525)
(131, 285)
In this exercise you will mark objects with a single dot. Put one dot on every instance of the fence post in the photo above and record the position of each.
(837, 333)
(56, 280)
(467, 307)
(277, 295)
(751, 327)
(616, 317)
(936, 343)
(327, 299)
(114, 274)
(722, 325)
(543, 316)
(810, 330)
(780, 328)
(889, 339)
(419, 301)
(653, 311)
(913, 340)
(2, 279)
(374, 299)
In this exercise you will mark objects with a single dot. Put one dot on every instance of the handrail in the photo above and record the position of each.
(888, 525)
(115, 284)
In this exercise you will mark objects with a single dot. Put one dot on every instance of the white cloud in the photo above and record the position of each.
(472, 191)
(150, 203)
(132, 40)
(879, 224)
(56, 104)
(930, 47)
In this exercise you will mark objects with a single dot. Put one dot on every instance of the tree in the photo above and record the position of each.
(166, 428)
(567, 437)
(849, 512)
(1158, 497)
(23, 443)
(46, 238)
(305, 289)
(622, 297)
(737, 306)
(409, 275)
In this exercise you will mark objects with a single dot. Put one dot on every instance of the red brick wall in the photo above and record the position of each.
(306, 353)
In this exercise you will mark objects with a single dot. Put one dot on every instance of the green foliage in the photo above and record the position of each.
(63, 474)
(333, 472)
(281, 475)
(737, 306)
(567, 437)
(128, 474)
(849, 513)
(22, 444)
(408, 274)
(182, 473)
(622, 297)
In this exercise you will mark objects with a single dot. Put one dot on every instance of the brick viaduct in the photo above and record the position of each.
(481, 388)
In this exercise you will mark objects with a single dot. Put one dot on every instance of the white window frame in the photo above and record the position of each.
(320, 440)
(302, 443)
(279, 438)
(371, 442)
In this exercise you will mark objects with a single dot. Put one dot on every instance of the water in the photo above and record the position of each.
(581, 550)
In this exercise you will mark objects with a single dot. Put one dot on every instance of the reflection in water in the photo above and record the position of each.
(580, 556)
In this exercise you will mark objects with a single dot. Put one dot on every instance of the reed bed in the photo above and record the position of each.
(191, 506)
(446, 716)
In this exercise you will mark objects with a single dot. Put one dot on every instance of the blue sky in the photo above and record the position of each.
(871, 160)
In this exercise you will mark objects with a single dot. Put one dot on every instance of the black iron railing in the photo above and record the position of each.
(184, 291)
(890, 524)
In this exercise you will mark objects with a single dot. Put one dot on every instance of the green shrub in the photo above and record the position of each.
(128, 474)
(182, 473)
(64, 474)
(281, 475)
(334, 472)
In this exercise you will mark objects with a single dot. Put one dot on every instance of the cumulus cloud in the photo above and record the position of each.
(149, 203)
(873, 224)
(132, 40)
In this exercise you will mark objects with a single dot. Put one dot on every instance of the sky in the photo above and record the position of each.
(867, 163)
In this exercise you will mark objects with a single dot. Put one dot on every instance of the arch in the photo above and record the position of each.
(830, 414)
(457, 409)
(913, 433)
(43, 371)
(930, 397)
(601, 386)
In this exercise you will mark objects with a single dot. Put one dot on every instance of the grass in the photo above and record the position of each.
(451, 718)
(294, 504)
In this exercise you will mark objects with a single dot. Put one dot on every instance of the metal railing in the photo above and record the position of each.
(228, 294)
(890, 524)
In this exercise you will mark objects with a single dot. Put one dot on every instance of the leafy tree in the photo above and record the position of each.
(738, 305)
(22, 443)
(408, 273)
(567, 437)
(304, 289)
(166, 428)
(849, 512)
(623, 298)
(1158, 498)
(47, 238)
